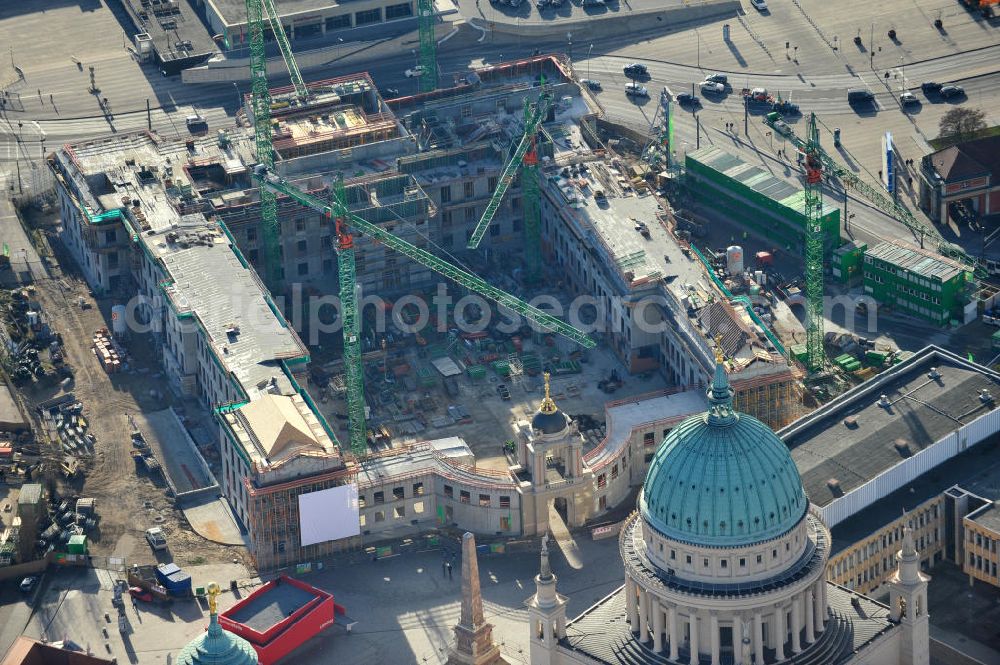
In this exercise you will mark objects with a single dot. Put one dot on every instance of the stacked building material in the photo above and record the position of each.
(107, 351)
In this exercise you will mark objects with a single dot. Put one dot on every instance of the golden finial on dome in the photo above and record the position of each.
(213, 591)
(548, 405)
(720, 357)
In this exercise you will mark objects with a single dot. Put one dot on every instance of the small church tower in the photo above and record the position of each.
(908, 603)
(546, 613)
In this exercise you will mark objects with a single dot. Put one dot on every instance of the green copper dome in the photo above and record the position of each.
(722, 478)
(217, 647)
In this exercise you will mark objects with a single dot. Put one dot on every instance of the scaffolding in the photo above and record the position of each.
(774, 399)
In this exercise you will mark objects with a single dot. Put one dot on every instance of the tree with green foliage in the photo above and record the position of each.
(961, 123)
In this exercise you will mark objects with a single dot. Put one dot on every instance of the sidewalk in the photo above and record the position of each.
(25, 264)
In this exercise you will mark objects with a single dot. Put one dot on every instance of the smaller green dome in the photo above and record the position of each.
(722, 478)
(217, 647)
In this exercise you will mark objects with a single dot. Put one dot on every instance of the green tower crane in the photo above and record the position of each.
(892, 208)
(525, 160)
(260, 110)
(259, 11)
(351, 326)
(428, 46)
(814, 248)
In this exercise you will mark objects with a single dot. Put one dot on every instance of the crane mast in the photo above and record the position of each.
(814, 249)
(334, 209)
(260, 109)
(525, 161)
(428, 46)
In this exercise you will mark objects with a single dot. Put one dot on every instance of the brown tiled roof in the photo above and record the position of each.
(969, 159)
(26, 651)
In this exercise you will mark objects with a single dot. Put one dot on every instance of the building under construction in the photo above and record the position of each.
(143, 216)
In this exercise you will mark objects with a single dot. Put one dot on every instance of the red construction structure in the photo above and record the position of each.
(281, 616)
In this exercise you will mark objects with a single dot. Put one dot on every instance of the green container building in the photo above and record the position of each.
(756, 199)
(77, 544)
(848, 260)
(995, 340)
(916, 281)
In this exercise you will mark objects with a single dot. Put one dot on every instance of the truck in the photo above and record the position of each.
(144, 577)
(774, 121)
(156, 539)
(175, 580)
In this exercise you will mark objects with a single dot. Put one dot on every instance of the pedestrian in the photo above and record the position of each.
(449, 570)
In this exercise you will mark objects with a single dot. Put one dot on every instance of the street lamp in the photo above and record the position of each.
(340, 42)
(239, 100)
(589, 51)
(569, 41)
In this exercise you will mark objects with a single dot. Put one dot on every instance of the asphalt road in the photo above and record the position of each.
(52, 104)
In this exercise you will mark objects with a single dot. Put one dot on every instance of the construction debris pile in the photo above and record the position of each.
(64, 422)
(30, 351)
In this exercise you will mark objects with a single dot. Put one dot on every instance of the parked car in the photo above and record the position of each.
(718, 78)
(759, 5)
(635, 70)
(139, 593)
(156, 539)
(951, 91)
(713, 87)
(28, 583)
(687, 99)
(636, 90)
(930, 86)
(503, 392)
(414, 72)
(591, 83)
(907, 98)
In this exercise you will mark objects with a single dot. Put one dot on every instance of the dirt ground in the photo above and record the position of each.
(127, 503)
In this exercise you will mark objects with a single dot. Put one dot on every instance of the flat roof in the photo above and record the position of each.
(778, 190)
(987, 517)
(972, 471)
(246, 334)
(625, 417)
(178, 33)
(922, 411)
(234, 12)
(205, 276)
(269, 606)
(919, 261)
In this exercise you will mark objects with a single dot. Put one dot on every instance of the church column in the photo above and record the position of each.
(657, 625)
(675, 638)
(694, 639)
(796, 624)
(713, 627)
(820, 605)
(758, 639)
(781, 631)
(630, 604)
(643, 615)
(810, 615)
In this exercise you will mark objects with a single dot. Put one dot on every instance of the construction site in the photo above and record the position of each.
(348, 319)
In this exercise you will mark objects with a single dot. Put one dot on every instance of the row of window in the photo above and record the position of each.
(987, 543)
(983, 565)
(417, 489)
(397, 513)
(902, 273)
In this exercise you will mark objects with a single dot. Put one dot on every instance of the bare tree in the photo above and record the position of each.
(961, 123)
